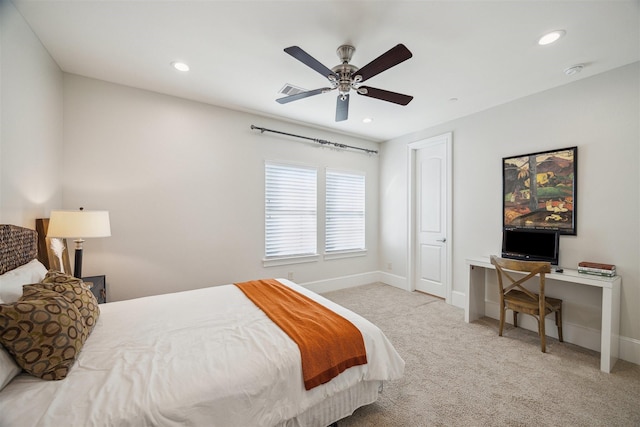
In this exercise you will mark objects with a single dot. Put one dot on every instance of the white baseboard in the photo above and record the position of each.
(343, 282)
(394, 280)
(573, 333)
(351, 281)
(630, 350)
(458, 299)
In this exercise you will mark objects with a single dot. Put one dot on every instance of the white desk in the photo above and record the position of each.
(610, 330)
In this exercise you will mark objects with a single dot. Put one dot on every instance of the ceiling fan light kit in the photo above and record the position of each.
(345, 77)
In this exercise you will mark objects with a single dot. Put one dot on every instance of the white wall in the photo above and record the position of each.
(184, 184)
(600, 115)
(30, 122)
(183, 181)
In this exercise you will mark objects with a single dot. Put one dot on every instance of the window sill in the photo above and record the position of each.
(272, 262)
(345, 254)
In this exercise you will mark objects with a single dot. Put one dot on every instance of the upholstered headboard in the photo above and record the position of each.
(18, 246)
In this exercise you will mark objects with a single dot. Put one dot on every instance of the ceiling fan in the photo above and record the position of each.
(345, 77)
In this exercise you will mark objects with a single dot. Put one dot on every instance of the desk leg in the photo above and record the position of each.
(475, 294)
(610, 334)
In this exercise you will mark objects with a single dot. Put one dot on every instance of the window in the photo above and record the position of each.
(344, 212)
(290, 211)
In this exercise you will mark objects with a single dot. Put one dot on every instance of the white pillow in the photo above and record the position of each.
(11, 282)
(8, 368)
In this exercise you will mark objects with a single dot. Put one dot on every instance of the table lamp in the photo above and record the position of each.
(79, 225)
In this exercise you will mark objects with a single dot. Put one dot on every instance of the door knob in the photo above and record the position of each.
(444, 239)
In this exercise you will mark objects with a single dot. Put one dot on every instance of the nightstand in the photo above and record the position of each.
(98, 287)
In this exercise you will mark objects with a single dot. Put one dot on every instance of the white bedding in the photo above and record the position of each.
(207, 357)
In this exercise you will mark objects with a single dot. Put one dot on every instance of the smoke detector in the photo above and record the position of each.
(575, 69)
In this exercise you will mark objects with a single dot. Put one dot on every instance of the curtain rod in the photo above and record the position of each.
(316, 140)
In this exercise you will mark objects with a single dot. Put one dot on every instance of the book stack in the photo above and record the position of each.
(597, 268)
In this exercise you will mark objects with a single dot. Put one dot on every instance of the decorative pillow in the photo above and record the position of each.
(8, 368)
(11, 282)
(72, 289)
(44, 335)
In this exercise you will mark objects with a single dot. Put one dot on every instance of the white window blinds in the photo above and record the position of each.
(290, 210)
(345, 229)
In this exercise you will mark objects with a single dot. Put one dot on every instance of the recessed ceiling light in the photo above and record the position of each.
(367, 120)
(551, 37)
(180, 66)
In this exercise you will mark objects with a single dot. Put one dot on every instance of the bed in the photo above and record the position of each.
(207, 357)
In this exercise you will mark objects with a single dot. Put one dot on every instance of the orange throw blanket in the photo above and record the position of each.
(328, 342)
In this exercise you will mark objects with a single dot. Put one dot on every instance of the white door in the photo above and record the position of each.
(431, 192)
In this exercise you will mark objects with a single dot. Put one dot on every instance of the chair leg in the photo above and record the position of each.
(559, 323)
(543, 335)
(502, 314)
(515, 319)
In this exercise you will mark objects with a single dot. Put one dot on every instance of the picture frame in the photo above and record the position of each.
(53, 252)
(546, 203)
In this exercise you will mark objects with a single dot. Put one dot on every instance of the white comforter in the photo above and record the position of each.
(207, 357)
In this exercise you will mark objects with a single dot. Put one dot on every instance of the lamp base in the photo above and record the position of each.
(77, 265)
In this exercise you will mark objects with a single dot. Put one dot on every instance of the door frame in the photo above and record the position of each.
(447, 139)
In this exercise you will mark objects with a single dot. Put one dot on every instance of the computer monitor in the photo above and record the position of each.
(531, 245)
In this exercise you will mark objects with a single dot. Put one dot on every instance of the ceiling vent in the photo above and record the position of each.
(289, 89)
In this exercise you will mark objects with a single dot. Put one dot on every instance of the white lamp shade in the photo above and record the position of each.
(79, 224)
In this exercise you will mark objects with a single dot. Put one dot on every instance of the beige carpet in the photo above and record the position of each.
(460, 374)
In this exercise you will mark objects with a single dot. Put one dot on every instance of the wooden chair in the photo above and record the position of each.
(519, 299)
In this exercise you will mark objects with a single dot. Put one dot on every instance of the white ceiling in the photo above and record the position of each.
(484, 53)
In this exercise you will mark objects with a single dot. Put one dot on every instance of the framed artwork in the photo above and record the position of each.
(539, 190)
(52, 251)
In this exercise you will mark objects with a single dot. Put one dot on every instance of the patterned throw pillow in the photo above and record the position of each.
(44, 335)
(72, 289)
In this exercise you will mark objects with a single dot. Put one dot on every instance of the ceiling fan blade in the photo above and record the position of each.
(385, 95)
(302, 95)
(309, 61)
(389, 59)
(342, 108)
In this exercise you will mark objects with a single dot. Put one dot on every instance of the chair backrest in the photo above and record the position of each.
(532, 267)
